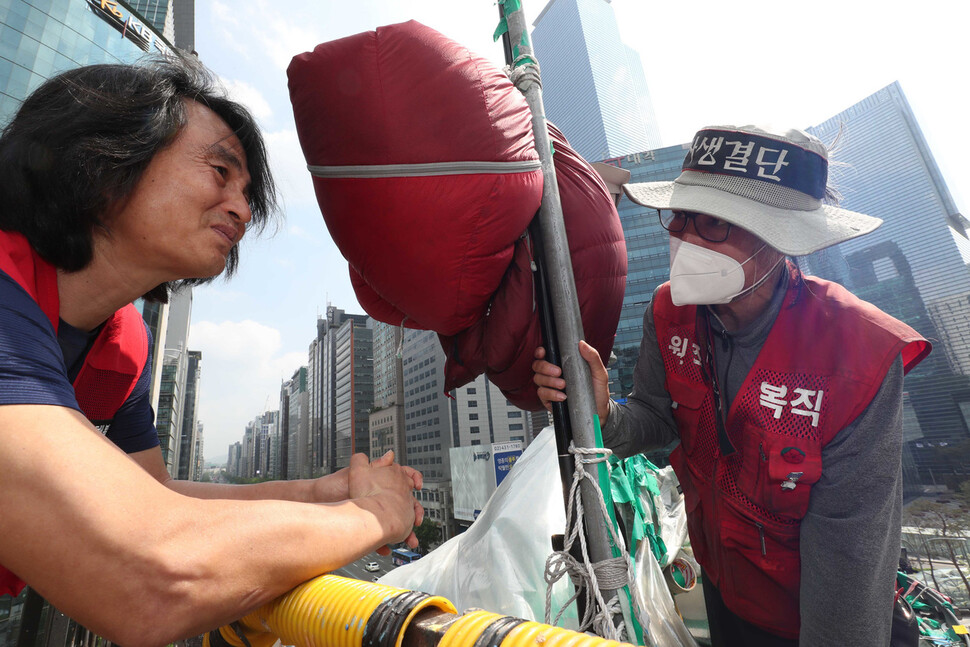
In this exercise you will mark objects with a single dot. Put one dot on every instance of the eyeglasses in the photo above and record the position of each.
(711, 229)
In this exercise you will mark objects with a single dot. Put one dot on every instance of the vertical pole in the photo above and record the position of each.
(562, 287)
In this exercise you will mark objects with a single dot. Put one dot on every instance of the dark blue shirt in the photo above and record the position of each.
(37, 367)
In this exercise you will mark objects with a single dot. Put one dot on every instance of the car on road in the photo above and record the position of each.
(372, 566)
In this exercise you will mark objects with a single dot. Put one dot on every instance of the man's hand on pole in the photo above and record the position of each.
(552, 387)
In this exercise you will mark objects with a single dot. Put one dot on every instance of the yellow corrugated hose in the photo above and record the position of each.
(332, 611)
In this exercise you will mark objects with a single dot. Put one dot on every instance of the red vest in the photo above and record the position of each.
(824, 360)
(113, 365)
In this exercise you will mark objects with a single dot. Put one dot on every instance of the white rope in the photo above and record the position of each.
(524, 76)
(610, 574)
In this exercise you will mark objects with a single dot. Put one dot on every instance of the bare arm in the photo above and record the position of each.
(326, 489)
(107, 544)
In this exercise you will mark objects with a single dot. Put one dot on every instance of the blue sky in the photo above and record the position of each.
(791, 64)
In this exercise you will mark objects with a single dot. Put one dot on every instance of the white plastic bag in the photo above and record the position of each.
(498, 564)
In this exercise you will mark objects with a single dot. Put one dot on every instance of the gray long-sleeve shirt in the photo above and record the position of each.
(850, 537)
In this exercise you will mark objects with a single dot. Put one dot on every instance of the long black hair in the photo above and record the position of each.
(80, 143)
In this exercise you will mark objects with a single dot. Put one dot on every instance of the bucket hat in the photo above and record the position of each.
(771, 183)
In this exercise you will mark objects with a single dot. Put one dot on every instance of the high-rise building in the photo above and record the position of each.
(199, 452)
(429, 425)
(175, 19)
(353, 354)
(40, 38)
(319, 378)
(911, 267)
(593, 86)
(234, 459)
(386, 421)
(295, 425)
(483, 416)
(648, 258)
(187, 459)
(170, 408)
(264, 429)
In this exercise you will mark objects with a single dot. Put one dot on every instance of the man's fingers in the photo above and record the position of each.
(544, 368)
(359, 460)
(385, 460)
(418, 513)
(416, 477)
(412, 541)
(540, 353)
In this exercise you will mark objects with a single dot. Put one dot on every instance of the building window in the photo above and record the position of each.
(515, 414)
(471, 390)
(473, 416)
(473, 403)
(517, 426)
(474, 430)
(476, 442)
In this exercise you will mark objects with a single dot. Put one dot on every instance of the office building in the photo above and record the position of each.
(295, 425)
(234, 459)
(199, 452)
(353, 357)
(429, 426)
(484, 416)
(593, 86)
(188, 459)
(173, 385)
(386, 421)
(39, 38)
(911, 267)
(648, 258)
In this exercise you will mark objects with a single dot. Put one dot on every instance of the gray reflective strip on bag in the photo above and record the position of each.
(421, 170)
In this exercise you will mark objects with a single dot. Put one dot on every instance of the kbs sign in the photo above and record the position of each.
(129, 26)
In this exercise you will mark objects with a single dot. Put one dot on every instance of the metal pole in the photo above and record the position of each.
(565, 302)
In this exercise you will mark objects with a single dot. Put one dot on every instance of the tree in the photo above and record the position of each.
(950, 523)
(428, 534)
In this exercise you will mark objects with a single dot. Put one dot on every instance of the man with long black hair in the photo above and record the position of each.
(119, 182)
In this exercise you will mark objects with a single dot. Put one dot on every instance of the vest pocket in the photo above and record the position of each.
(686, 397)
(760, 568)
(794, 465)
(777, 472)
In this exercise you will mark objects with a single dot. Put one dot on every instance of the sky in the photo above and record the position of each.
(706, 62)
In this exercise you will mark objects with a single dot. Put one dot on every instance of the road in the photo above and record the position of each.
(357, 571)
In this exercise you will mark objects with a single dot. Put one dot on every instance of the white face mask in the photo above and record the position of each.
(700, 276)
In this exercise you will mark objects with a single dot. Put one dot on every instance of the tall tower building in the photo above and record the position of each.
(175, 19)
(199, 452)
(353, 387)
(188, 459)
(294, 424)
(648, 258)
(340, 381)
(911, 267)
(593, 86)
(430, 427)
(44, 37)
(387, 418)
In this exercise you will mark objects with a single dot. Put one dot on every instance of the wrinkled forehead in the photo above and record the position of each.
(213, 135)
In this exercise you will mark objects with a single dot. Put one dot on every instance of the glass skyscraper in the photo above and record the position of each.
(39, 38)
(648, 257)
(593, 86)
(913, 267)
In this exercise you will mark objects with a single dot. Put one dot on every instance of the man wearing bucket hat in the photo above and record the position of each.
(785, 392)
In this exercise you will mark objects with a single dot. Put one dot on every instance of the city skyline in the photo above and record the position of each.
(254, 330)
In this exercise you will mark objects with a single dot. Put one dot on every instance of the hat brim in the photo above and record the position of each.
(791, 232)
